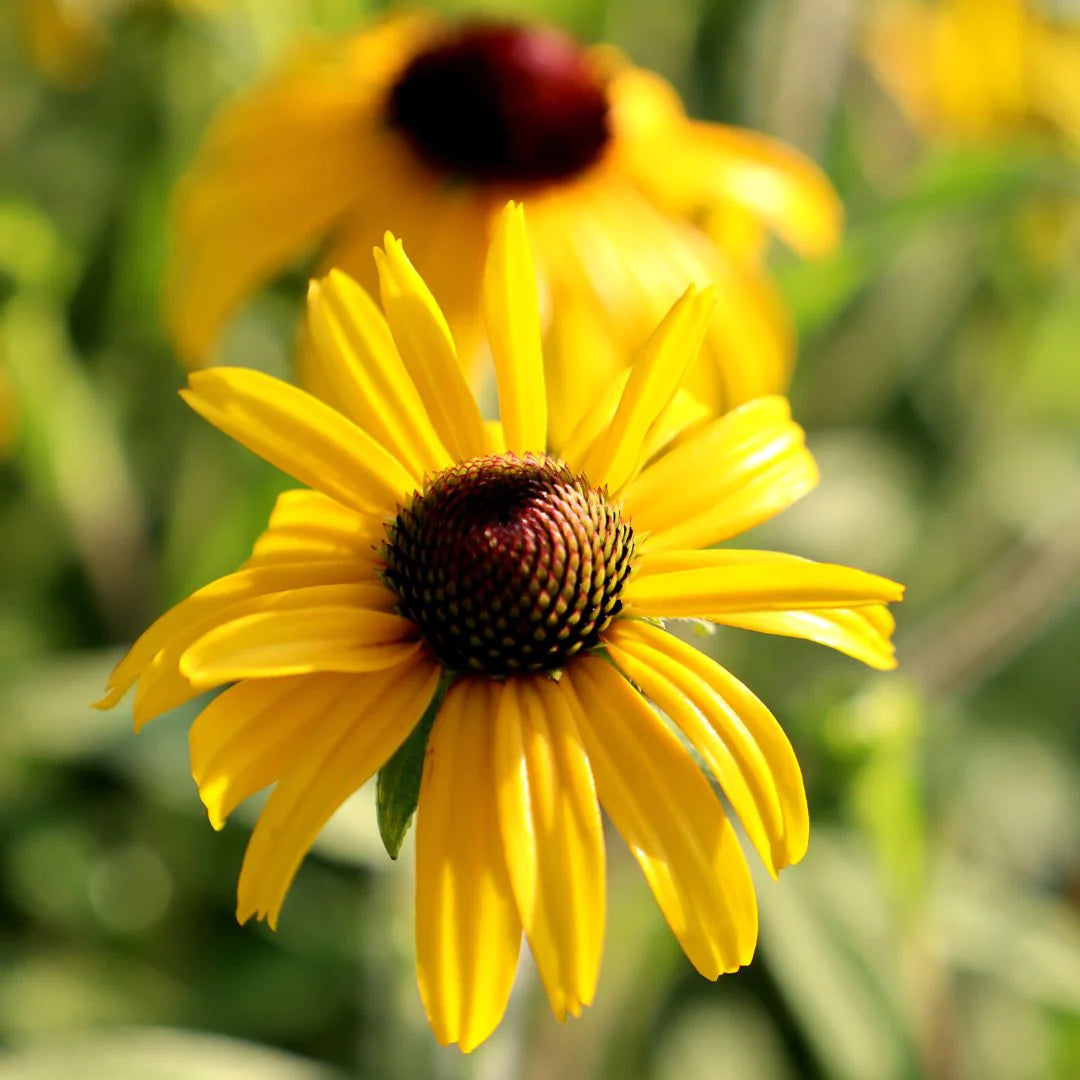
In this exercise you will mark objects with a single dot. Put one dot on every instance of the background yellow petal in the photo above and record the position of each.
(279, 167)
(424, 342)
(669, 816)
(344, 749)
(468, 933)
(301, 436)
(731, 474)
(552, 836)
(512, 317)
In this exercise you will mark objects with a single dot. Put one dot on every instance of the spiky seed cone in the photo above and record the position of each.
(508, 564)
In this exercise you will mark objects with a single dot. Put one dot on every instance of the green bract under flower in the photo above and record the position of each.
(509, 564)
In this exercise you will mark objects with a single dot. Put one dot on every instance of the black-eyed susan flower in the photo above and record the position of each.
(427, 130)
(501, 596)
(980, 69)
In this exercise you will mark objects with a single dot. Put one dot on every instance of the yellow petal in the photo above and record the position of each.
(301, 436)
(445, 230)
(785, 189)
(248, 737)
(367, 376)
(729, 475)
(512, 316)
(281, 165)
(468, 933)
(424, 342)
(306, 526)
(653, 382)
(690, 166)
(216, 602)
(163, 684)
(863, 633)
(739, 739)
(714, 585)
(353, 737)
(296, 642)
(666, 811)
(552, 836)
(578, 329)
(608, 247)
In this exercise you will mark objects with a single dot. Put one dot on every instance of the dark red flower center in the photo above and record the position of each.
(502, 104)
(508, 564)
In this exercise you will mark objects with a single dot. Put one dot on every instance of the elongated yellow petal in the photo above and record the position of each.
(249, 736)
(307, 526)
(354, 736)
(666, 811)
(274, 643)
(163, 685)
(654, 379)
(225, 242)
(361, 362)
(190, 617)
(552, 837)
(786, 190)
(620, 254)
(512, 316)
(746, 467)
(301, 436)
(863, 633)
(715, 586)
(739, 739)
(690, 166)
(427, 349)
(282, 164)
(468, 933)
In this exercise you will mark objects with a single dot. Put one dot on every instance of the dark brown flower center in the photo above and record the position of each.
(509, 564)
(502, 104)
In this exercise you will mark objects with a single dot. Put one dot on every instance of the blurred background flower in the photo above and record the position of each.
(933, 928)
(426, 128)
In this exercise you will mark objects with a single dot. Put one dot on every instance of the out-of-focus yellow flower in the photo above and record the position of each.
(428, 129)
(506, 590)
(67, 39)
(979, 69)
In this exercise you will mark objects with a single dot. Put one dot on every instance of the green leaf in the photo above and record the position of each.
(398, 786)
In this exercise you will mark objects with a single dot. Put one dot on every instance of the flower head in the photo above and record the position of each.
(980, 69)
(427, 129)
(498, 594)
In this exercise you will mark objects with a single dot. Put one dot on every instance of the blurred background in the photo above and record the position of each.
(933, 931)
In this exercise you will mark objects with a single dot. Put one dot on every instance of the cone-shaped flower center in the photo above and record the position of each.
(508, 564)
(501, 103)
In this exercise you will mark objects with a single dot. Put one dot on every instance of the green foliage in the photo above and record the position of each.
(934, 929)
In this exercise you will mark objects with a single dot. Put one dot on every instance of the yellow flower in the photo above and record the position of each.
(428, 129)
(979, 69)
(510, 591)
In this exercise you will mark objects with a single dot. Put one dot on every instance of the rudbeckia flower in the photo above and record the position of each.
(427, 130)
(979, 69)
(472, 587)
